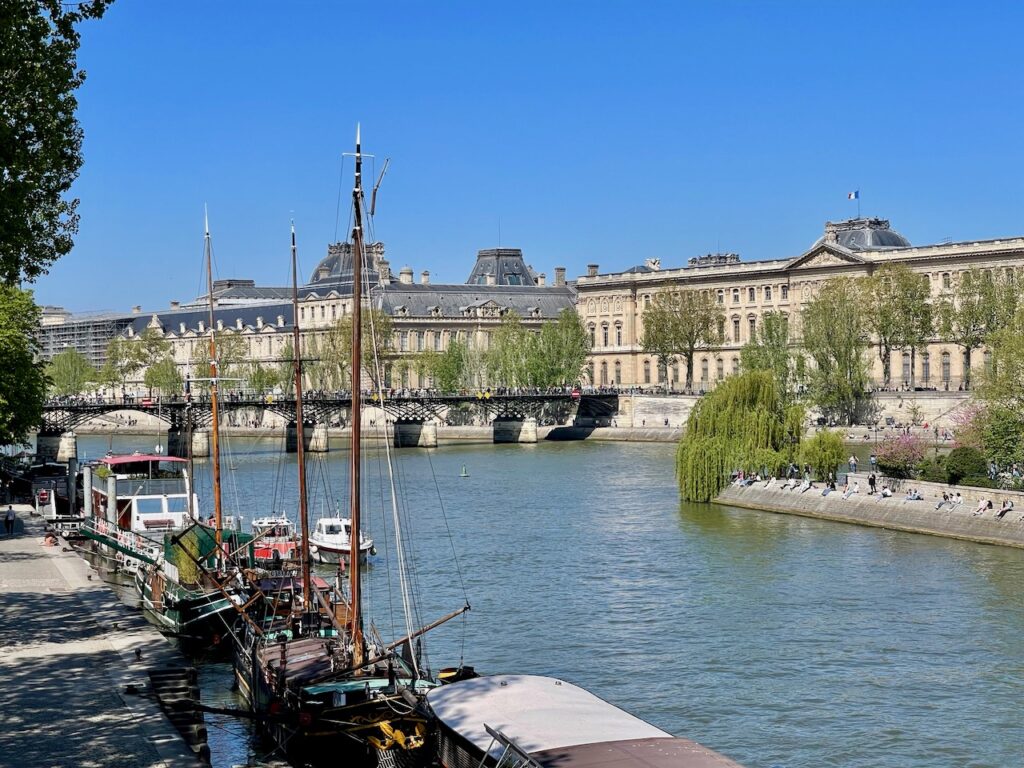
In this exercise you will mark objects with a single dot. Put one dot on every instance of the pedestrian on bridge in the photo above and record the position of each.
(9, 518)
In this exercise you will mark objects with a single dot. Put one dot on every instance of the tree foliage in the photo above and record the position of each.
(164, 376)
(742, 424)
(449, 369)
(978, 306)
(232, 356)
(899, 455)
(123, 362)
(897, 312)
(261, 378)
(560, 351)
(770, 351)
(964, 462)
(40, 138)
(834, 341)
(69, 373)
(677, 324)
(335, 353)
(22, 381)
(823, 453)
(1003, 383)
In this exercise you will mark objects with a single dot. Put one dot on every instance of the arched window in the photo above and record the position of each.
(662, 373)
(735, 295)
(618, 373)
(721, 296)
(604, 374)
(945, 368)
(926, 367)
(784, 291)
(906, 367)
(647, 371)
(704, 371)
(735, 366)
(767, 293)
(751, 295)
(719, 369)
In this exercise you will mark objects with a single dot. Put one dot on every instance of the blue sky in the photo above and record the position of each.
(604, 132)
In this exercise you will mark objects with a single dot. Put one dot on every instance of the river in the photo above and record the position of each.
(777, 640)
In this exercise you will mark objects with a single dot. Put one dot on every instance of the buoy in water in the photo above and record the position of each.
(464, 473)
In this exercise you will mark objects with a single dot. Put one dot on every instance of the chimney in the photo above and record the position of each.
(220, 325)
(405, 276)
(425, 277)
(384, 269)
(542, 279)
(490, 279)
(181, 328)
(202, 327)
(280, 321)
(137, 309)
(238, 323)
(559, 275)
(591, 270)
(259, 322)
(175, 304)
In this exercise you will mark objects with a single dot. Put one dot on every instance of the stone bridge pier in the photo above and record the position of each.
(415, 433)
(56, 446)
(515, 430)
(314, 438)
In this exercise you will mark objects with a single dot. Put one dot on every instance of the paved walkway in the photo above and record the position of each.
(67, 653)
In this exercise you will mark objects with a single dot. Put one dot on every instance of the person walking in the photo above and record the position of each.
(874, 461)
(9, 518)
(853, 463)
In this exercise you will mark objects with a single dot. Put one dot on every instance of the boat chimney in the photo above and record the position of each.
(559, 275)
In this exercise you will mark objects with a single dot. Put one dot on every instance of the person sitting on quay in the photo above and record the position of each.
(956, 501)
(771, 482)
(829, 486)
(982, 506)
(914, 495)
(853, 489)
(806, 485)
(944, 502)
(1007, 506)
(885, 493)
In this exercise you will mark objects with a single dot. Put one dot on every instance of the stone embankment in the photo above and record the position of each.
(895, 512)
(72, 657)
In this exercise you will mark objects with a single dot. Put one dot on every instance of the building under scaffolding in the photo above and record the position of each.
(88, 333)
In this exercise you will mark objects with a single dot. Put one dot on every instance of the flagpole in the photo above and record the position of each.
(858, 203)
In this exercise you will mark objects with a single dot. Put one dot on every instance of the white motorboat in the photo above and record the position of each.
(330, 541)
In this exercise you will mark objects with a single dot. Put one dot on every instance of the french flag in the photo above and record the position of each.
(853, 195)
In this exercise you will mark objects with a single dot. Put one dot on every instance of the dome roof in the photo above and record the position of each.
(336, 267)
(864, 235)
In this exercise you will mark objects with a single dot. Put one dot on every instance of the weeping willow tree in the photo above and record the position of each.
(743, 424)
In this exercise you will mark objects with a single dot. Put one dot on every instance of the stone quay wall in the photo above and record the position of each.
(895, 512)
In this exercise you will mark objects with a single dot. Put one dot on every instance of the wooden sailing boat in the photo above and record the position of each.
(193, 589)
(325, 689)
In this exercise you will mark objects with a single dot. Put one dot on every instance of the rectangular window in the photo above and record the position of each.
(721, 296)
(604, 335)
(785, 292)
(736, 330)
(752, 328)
(946, 283)
(419, 341)
(751, 295)
(403, 341)
(437, 341)
(735, 295)
(618, 335)
(767, 293)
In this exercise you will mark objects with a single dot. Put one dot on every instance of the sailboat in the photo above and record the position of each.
(324, 688)
(193, 588)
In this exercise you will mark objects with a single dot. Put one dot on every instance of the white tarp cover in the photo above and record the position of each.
(538, 713)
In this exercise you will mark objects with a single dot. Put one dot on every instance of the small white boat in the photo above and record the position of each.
(331, 541)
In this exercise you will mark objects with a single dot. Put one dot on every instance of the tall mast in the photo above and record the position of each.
(215, 425)
(356, 375)
(307, 582)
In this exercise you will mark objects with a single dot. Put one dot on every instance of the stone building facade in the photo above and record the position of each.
(612, 305)
(426, 317)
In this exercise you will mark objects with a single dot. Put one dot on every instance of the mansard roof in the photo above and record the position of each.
(419, 300)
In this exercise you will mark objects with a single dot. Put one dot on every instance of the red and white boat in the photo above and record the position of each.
(276, 544)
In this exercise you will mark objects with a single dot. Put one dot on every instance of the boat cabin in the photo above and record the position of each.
(152, 492)
(547, 722)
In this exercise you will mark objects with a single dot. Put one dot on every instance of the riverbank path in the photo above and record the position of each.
(67, 656)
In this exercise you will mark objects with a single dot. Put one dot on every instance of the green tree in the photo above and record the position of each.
(286, 368)
(22, 380)
(377, 346)
(679, 322)
(1002, 385)
(833, 339)
(742, 424)
(152, 348)
(232, 355)
(978, 305)
(560, 351)
(823, 452)
(512, 348)
(449, 368)
(770, 351)
(261, 378)
(40, 138)
(123, 361)
(163, 375)
(69, 372)
(897, 312)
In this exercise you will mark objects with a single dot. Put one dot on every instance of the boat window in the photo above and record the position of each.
(177, 505)
(149, 506)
